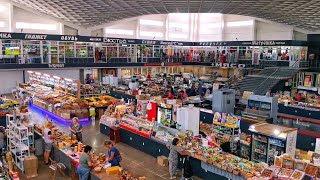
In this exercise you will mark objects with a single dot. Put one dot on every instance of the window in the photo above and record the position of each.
(120, 31)
(151, 22)
(239, 23)
(178, 35)
(38, 26)
(151, 34)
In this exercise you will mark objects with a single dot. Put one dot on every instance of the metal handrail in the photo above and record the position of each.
(240, 73)
(271, 75)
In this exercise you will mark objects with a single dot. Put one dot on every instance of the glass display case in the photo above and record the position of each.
(136, 125)
(163, 134)
(54, 52)
(165, 115)
(269, 141)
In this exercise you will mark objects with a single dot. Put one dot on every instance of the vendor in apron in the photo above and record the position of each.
(76, 129)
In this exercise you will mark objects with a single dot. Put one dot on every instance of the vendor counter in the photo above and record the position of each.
(299, 111)
(120, 95)
(62, 156)
(157, 148)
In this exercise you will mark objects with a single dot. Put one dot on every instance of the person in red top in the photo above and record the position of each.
(184, 95)
(149, 77)
(170, 94)
(298, 97)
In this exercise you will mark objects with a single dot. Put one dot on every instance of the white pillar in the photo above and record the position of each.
(254, 30)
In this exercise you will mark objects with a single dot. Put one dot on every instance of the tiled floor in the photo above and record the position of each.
(135, 161)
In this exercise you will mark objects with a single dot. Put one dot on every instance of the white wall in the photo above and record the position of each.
(69, 30)
(268, 31)
(21, 15)
(5, 13)
(210, 27)
(10, 80)
(238, 33)
(131, 26)
(300, 36)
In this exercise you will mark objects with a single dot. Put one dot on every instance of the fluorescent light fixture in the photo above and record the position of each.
(68, 79)
(37, 26)
(30, 72)
(120, 31)
(239, 23)
(178, 25)
(151, 22)
(56, 77)
(47, 75)
(37, 73)
(178, 35)
(151, 34)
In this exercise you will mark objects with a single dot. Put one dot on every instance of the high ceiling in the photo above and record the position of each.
(303, 14)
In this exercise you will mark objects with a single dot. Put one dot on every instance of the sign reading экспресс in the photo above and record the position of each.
(55, 65)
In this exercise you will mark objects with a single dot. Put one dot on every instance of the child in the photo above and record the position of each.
(92, 113)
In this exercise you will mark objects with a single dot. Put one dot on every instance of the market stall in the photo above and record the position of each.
(56, 96)
(270, 140)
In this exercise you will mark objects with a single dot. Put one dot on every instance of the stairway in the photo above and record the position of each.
(265, 80)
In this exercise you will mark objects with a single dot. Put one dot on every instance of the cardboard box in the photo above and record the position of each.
(31, 162)
(162, 161)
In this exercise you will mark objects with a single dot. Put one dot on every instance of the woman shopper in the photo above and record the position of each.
(76, 129)
(173, 157)
(85, 163)
(48, 139)
(114, 157)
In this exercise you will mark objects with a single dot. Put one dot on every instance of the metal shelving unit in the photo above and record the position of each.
(20, 140)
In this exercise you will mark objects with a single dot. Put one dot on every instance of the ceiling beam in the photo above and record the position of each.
(44, 15)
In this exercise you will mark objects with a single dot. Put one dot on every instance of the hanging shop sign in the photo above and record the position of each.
(5, 36)
(115, 40)
(90, 39)
(246, 43)
(69, 38)
(36, 36)
(52, 37)
(228, 65)
(55, 66)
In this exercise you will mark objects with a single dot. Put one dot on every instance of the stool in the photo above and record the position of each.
(114, 134)
(54, 167)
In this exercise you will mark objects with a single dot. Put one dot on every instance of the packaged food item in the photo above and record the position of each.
(300, 165)
(288, 163)
(278, 161)
(311, 170)
(285, 173)
(267, 173)
(297, 175)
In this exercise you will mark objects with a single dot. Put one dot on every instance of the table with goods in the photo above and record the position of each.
(67, 150)
(205, 159)
(60, 97)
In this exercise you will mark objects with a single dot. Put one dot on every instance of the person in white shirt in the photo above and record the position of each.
(48, 139)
